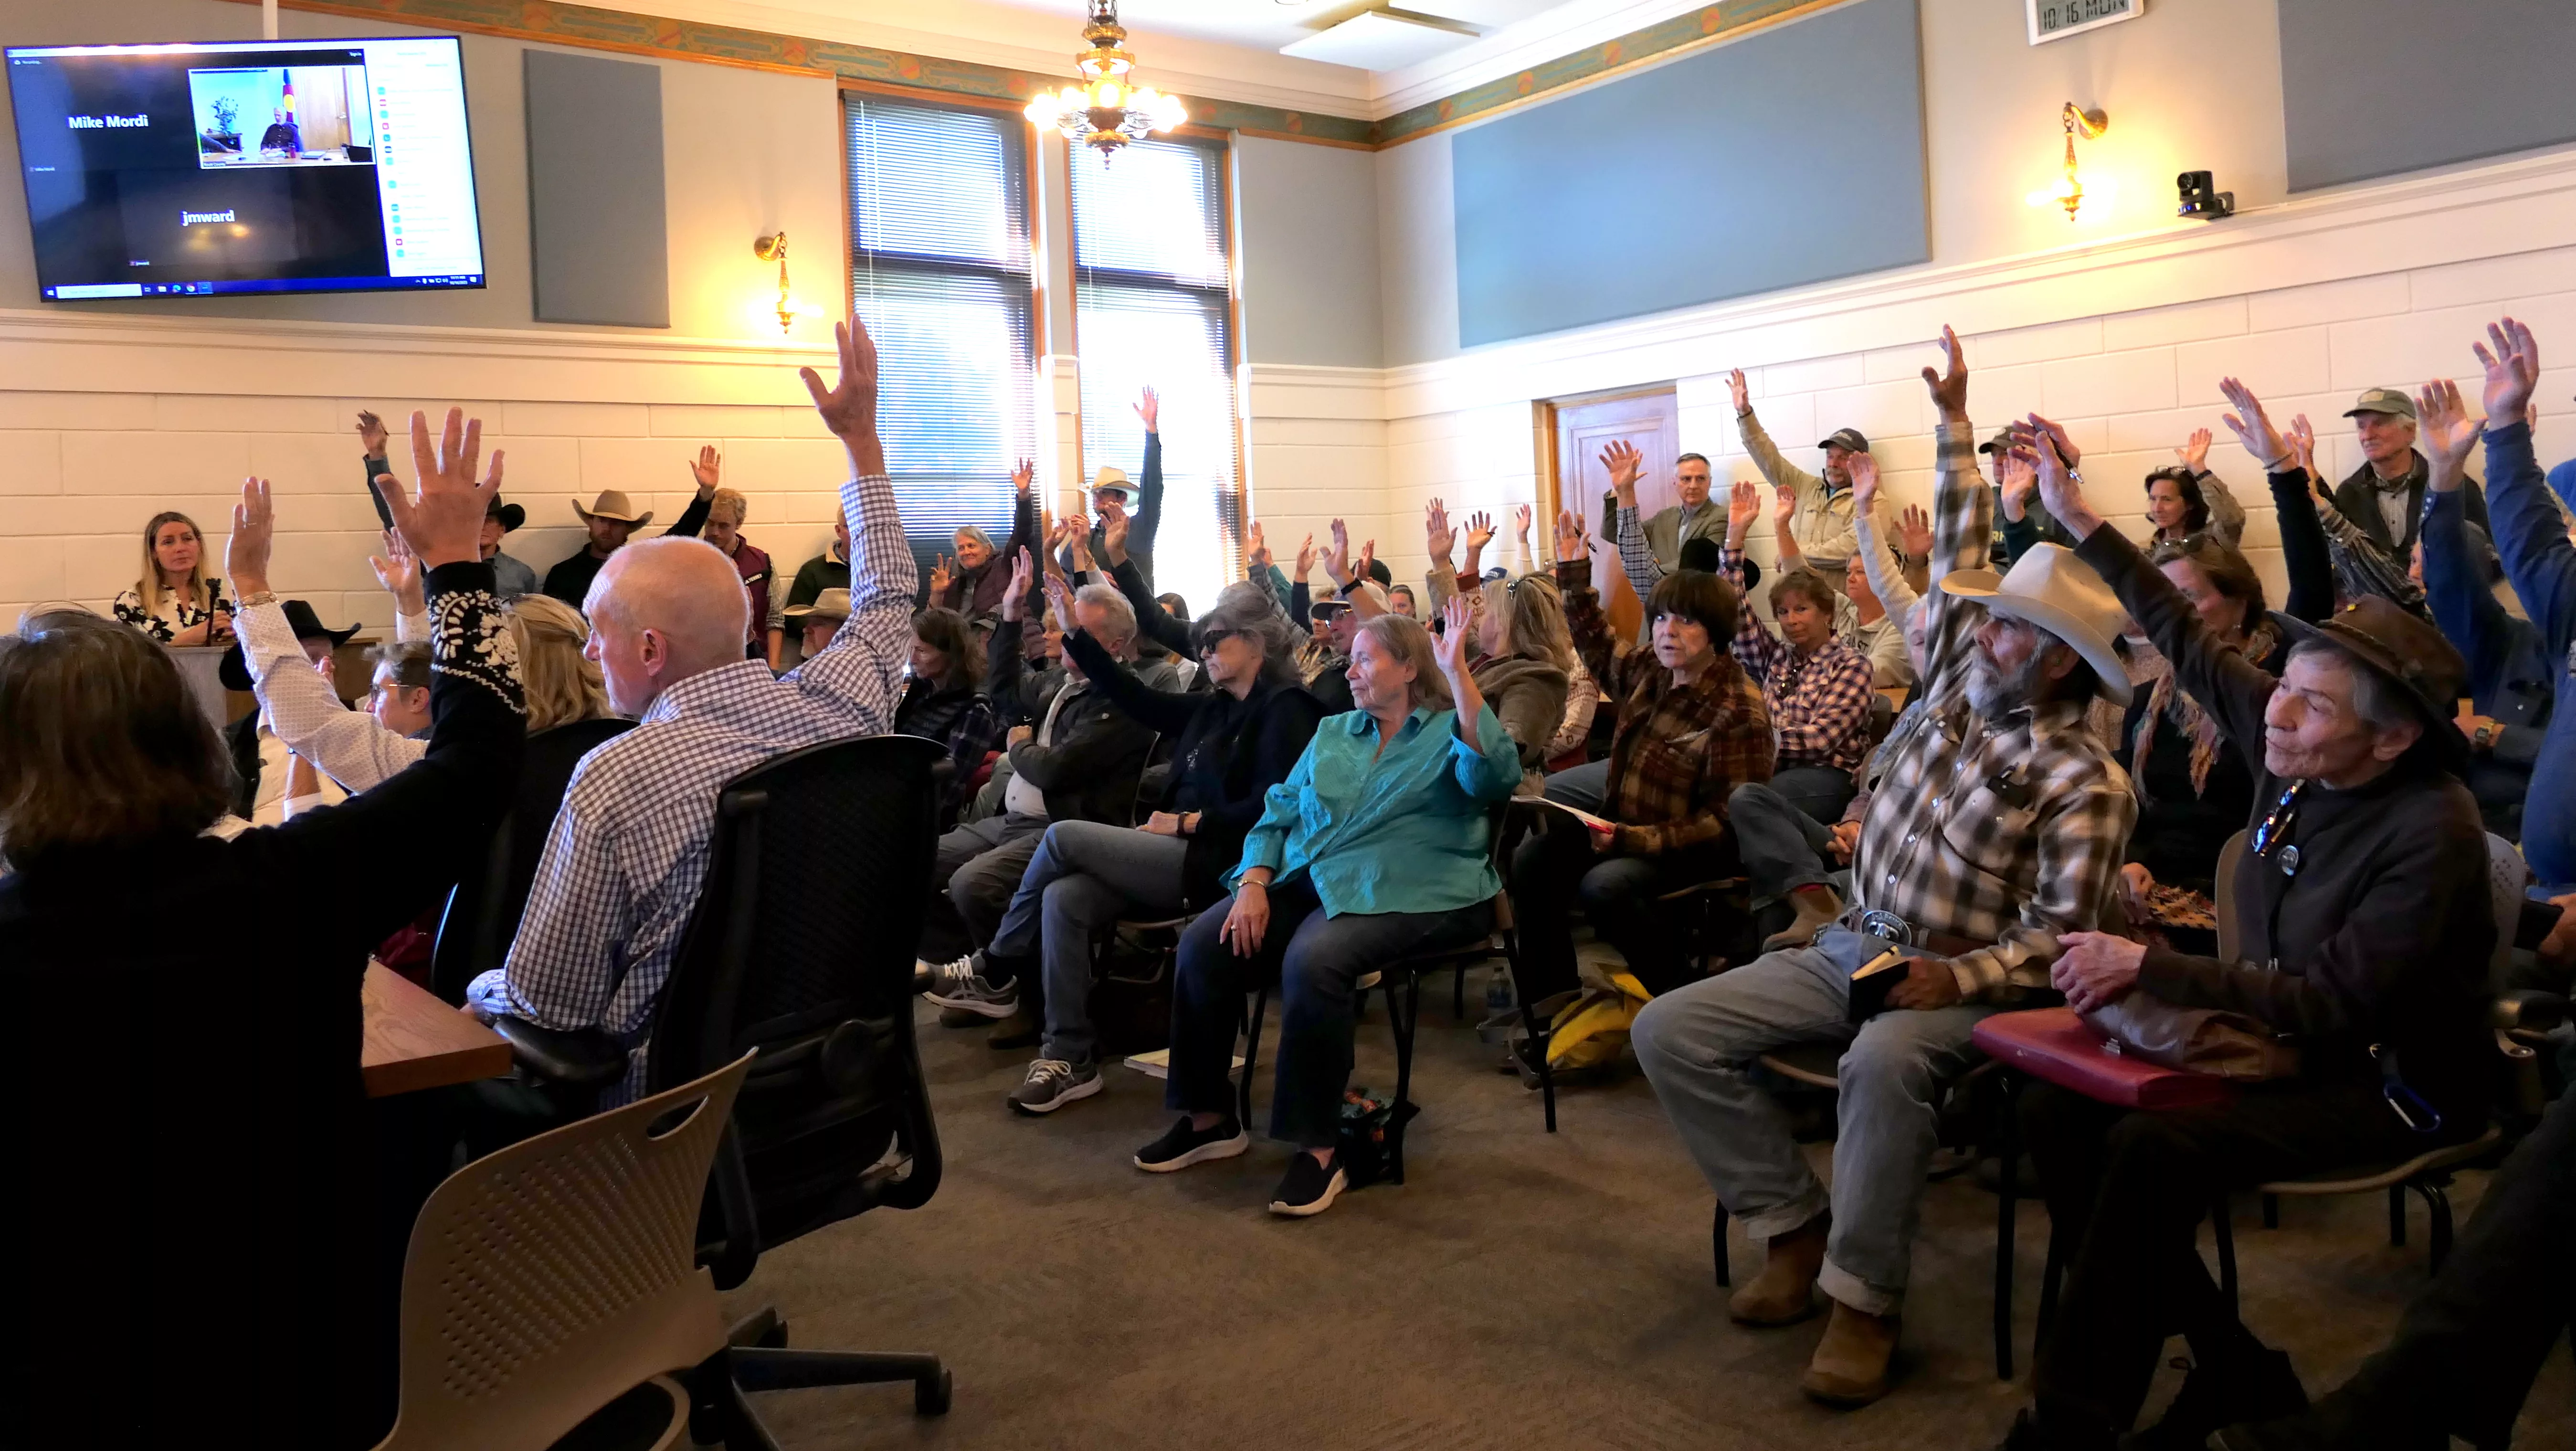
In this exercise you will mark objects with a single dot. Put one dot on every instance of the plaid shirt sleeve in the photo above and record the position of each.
(1754, 645)
(1962, 538)
(859, 676)
(2082, 835)
(1735, 747)
(1832, 705)
(1635, 557)
(568, 953)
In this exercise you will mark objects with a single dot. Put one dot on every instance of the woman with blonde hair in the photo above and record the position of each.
(173, 601)
(1528, 666)
(563, 683)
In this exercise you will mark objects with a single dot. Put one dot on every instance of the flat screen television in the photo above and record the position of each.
(247, 166)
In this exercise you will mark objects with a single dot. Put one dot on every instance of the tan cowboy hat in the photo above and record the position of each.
(1111, 477)
(2051, 588)
(831, 604)
(612, 504)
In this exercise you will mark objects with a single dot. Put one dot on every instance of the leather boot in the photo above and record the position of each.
(1785, 1292)
(1022, 1029)
(1850, 1364)
(1817, 908)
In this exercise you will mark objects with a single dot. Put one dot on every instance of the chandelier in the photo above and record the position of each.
(1105, 112)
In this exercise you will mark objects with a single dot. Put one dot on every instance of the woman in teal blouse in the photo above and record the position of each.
(1373, 848)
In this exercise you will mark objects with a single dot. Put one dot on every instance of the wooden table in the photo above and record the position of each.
(414, 1041)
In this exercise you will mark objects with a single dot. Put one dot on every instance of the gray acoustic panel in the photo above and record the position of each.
(1792, 156)
(2375, 87)
(595, 219)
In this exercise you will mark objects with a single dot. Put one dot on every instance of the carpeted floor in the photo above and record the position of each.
(1521, 1290)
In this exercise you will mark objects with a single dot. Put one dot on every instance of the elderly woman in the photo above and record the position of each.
(173, 601)
(1233, 741)
(1374, 847)
(974, 582)
(1528, 666)
(110, 778)
(945, 699)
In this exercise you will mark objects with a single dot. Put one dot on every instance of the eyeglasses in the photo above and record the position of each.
(2276, 823)
(1210, 639)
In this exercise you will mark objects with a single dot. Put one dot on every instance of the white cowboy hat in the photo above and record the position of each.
(612, 504)
(2051, 588)
(1111, 477)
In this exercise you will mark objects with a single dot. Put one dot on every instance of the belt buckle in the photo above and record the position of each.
(1887, 926)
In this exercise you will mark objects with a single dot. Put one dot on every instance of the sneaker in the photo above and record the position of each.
(961, 984)
(1052, 1083)
(1185, 1146)
(1309, 1188)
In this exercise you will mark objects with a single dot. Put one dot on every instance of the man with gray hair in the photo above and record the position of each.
(2384, 498)
(668, 617)
(1079, 761)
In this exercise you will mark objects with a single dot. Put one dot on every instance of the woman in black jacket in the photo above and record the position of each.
(1232, 743)
(197, 1149)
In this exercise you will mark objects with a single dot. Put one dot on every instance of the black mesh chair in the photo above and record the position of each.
(799, 949)
(484, 907)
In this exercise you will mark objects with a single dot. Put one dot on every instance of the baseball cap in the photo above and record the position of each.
(2391, 401)
(2000, 443)
(1849, 438)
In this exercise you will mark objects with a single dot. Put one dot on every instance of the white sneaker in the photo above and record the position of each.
(959, 985)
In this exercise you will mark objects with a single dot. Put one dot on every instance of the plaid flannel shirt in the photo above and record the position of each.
(1819, 702)
(628, 850)
(1678, 751)
(2008, 833)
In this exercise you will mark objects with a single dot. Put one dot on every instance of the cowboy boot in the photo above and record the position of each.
(1850, 1364)
(1817, 908)
(1784, 1293)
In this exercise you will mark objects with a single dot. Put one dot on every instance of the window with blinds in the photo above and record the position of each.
(1153, 307)
(940, 271)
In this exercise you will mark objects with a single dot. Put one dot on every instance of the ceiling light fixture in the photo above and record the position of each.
(1105, 112)
(2069, 192)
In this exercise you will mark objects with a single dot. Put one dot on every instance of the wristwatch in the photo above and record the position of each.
(2484, 737)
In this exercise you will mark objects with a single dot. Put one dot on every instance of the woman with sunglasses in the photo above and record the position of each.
(2366, 934)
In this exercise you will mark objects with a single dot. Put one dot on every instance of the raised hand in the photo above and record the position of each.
(1624, 463)
(1949, 384)
(849, 406)
(2251, 425)
(2036, 442)
(2513, 370)
(1914, 532)
(2020, 483)
(1449, 643)
(1480, 531)
(941, 576)
(708, 469)
(1150, 408)
(398, 570)
(1337, 560)
(1305, 558)
(1438, 538)
(1256, 547)
(372, 435)
(1570, 541)
(1784, 509)
(2446, 430)
(2194, 452)
(444, 523)
(1059, 592)
(1743, 506)
(1023, 477)
(1521, 522)
(1368, 556)
(1736, 390)
(2303, 445)
(1023, 569)
(1079, 544)
(1113, 536)
(1864, 477)
(246, 549)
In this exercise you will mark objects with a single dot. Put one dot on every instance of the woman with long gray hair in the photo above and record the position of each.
(1232, 742)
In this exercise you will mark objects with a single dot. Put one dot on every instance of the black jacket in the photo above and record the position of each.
(2383, 935)
(1227, 754)
(2357, 498)
(1089, 773)
(569, 580)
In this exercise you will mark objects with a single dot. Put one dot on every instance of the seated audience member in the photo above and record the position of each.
(827, 570)
(2384, 498)
(2020, 522)
(1815, 687)
(1691, 727)
(1528, 664)
(2465, 1353)
(945, 699)
(267, 787)
(1400, 601)
(721, 526)
(2516, 666)
(1822, 522)
(629, 848)
(2187, 499)
(1649, 549)
(1078, 762)
(612, 520)
(2357, 566)
(174, 601)
(1137, 510)
(818, 621)
(973, 585)
(2368, 857)
(112, 784)
(1232, 742)
(1374, 847)
(511, 577)
(1874, 634)
(1995, 828)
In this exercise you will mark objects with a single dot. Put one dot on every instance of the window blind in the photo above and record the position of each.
(1153, 306)
(940, 271)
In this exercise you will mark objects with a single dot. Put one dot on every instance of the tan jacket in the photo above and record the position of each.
(1823, 523)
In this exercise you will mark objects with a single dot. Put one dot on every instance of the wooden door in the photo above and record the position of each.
(1650, 422)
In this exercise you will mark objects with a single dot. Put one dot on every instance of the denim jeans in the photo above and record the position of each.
(1698, 1046)
(1084, 877)
(1820, 791)
(974, 870)
(1783, 847)
(1583, 787)
(1317, 959)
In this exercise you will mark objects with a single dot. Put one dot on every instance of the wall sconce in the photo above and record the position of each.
(2069, 191)
(774, 248)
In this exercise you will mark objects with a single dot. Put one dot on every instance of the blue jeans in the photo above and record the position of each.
(1084, 877)
(1820, 791)
(1583, 787)
(1783, 847)
(1698, 1046)
(1317, 958)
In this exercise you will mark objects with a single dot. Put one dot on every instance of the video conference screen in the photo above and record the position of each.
(247, 166)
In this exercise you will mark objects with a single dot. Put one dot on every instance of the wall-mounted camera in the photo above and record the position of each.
(2201, 197)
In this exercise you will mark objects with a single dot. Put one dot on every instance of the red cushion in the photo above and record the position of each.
(2054, 1044)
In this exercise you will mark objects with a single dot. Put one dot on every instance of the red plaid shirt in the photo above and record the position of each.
(1819, 701)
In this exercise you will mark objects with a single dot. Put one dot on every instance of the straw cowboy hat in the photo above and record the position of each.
(831, 604)
(2051, 588)
(1111, 477)
(612, 504)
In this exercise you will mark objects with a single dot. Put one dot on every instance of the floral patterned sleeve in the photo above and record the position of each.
(469, 633)
(129, 611)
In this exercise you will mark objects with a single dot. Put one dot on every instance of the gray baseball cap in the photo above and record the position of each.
(2391, 401)
(1849, 438)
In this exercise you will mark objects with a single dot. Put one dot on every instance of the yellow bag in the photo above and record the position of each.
(1593, 1028)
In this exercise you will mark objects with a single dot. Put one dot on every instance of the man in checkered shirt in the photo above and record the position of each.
(1996, 824)
(629, 846)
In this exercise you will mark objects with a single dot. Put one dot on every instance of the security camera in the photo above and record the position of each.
(2201, 198)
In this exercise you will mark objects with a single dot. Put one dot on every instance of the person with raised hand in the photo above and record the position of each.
(2384, 497)
(1815, 686)
(1651, 548)
(1994, 830)
(629, 847)
(611, 521)
(2369, 863)
(1139, 502)
(2318, 547)
(112, 789)
(1375, 847)
(1821, 519)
